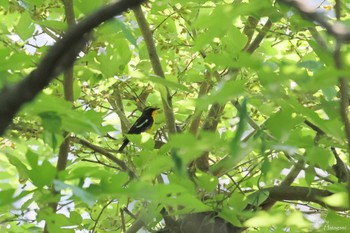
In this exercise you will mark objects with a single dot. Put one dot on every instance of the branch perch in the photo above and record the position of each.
(107, 154)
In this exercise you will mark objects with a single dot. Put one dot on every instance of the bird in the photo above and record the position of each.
(142, 124)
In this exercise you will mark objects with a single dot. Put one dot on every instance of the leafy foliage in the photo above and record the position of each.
(256, 100)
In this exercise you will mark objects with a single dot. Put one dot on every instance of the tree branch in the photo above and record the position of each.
(107, 154)
(338, 30)
(69, 12)
(211, 122)
(216, 110)
(69, 96)
(59, 57)
(136, 226)
(99, 215)
(282, 193)
(249, 28)
(115, 101)
(258, 39)
(203, 90)
(344, 92)
(157, 67)
(288, 180)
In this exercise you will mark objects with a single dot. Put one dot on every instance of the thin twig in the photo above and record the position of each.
(104, 152)
(163, 21)
(100, 214)
(99, 162)
(123, 220)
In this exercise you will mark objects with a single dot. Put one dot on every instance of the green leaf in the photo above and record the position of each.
(95, 210)
(258, 197)
(182, 180)
(310, 175)
(231, 216)
(14, 61)
(337, 200)
(207, 182)
(4, 3)
(55, 222)
(243, 115)
(189, 147)
(237, 202)
(335, 222)
(53, 25)
(114, 61)
(6, 196)
(325, 55)
(25, 27)
(81, 122)
(155, 166)
(281, 123)
(84, 122)
(332, 127)
(215, 27)
(75, 218)
(228, 163)
(85, 196)
(264, 219)
(336, 187)
(310, 64)
(167, 83)
(297, 219)
(320, 156)
(85, 8)
(126, 31)
(139, 139)
(21, 168)
(35, 2)
(330, 93)
(225, 91)
(188, 201)
(51, 121)
(113, 183)
(81, 170)
(32, 158)
(42, 175)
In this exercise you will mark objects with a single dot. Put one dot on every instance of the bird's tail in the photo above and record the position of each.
(125, 142)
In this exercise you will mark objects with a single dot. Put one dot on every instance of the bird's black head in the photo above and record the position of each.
(150, 109)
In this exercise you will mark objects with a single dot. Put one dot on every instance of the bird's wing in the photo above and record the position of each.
(135, 128)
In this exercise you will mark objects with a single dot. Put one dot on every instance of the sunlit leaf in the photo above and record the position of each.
(85, 196)
(258, 197)
(337, 200)
(207, 182)
(264, 219)
(25, 27)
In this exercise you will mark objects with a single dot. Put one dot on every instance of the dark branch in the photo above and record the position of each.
(107, 154)
(283, 193)
(59, 57)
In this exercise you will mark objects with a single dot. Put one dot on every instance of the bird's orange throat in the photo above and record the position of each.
(154, 114)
